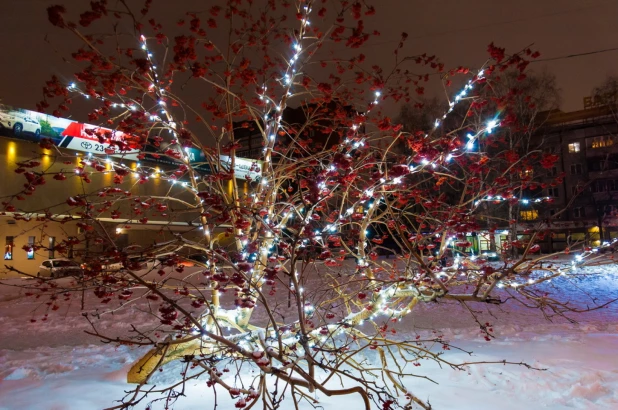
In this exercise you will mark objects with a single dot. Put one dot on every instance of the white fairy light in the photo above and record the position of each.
(490, 126)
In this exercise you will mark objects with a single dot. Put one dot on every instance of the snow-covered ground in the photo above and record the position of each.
(53, 364)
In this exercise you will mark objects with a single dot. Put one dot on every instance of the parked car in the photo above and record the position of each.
(139, 262)
(57, 268)
(111, 265)
(19, 123)
(171, 259)
(135, 262)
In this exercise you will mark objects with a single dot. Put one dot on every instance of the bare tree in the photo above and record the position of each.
(524, 101)
(606, 95)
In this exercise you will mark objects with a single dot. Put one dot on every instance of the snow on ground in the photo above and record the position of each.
(53, 364)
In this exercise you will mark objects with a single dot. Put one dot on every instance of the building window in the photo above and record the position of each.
(604, 186)
(553, 214)
(527, 174)
(579, 212)
(576, 237)
(576, 169)
(598, 186)
(30, 251)
(553, 171)
(51, 247)
(602, 142)
(553, 192)
(574, 147)
(529, 215)
(8, 249)
(578, 189)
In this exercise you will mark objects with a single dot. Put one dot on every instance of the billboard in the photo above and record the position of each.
(77, 136)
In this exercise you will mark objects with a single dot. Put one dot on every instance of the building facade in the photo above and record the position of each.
(582, 185)
(28, 238)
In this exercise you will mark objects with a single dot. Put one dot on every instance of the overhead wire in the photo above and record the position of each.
(586, 53)
(498, 23)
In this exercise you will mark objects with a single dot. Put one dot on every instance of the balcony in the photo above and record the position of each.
(611, 173)
(601, 151)
(605, 196)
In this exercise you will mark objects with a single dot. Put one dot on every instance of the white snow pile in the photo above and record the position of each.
(53, 364)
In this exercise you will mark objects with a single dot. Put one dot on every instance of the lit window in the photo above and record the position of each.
(574, 147)
(30, 251)
(602, 141)
(8, 249)
(527, 173)
(577, 237)
(530, 215)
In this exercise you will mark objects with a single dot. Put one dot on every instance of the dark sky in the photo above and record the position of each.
(457, 31)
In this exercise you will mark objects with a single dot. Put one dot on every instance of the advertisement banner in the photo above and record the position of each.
(73, 135)
(32, 126)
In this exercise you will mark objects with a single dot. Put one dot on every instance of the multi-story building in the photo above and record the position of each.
(584, 202)
(583, 184)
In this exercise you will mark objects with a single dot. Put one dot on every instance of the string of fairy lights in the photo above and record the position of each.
(379, 303)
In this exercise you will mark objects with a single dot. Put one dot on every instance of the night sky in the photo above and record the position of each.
(456, 31)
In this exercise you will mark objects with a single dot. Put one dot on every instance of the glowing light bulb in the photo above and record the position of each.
(491, 125)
